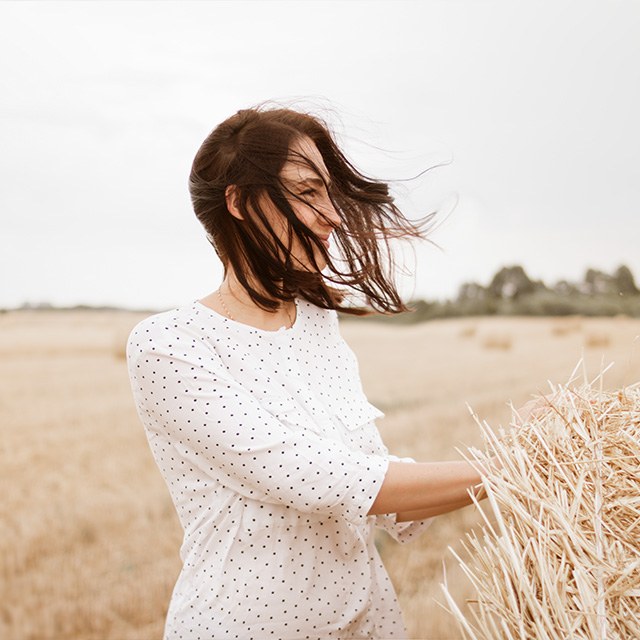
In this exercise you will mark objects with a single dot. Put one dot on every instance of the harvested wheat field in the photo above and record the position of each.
(89, 540)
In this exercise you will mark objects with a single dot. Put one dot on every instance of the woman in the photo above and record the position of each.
(253, 405)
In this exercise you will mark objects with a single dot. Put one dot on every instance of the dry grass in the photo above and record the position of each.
(559, 556)
(88, 541)
(88, 536)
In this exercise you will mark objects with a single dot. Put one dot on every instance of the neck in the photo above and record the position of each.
(232, 300)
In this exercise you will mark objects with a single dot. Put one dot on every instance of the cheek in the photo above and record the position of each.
(306, 215)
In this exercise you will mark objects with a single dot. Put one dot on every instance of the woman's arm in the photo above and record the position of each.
(415, 491)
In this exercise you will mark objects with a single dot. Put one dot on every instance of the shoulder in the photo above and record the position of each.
(156, 327)
(316, 316)
(164, 330)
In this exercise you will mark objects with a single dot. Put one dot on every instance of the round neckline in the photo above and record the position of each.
(236, 323)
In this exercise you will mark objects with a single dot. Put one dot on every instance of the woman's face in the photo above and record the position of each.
(309, 199)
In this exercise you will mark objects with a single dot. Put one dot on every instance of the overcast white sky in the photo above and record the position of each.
(104, 104)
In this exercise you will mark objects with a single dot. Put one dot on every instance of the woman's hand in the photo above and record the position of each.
(532, 409)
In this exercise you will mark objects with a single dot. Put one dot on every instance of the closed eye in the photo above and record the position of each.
(312, 187)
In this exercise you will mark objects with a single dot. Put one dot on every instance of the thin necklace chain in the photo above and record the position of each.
(226, 310)
(224, 306)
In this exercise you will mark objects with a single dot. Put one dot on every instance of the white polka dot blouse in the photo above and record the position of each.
(271, 454)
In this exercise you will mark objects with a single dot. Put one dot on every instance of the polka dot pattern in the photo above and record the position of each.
(271, 454)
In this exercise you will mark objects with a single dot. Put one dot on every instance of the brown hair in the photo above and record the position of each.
(248, 151)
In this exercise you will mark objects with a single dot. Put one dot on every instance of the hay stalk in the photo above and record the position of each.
(558, 553)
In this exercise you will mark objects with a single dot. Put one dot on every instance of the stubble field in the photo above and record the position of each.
(88, 537)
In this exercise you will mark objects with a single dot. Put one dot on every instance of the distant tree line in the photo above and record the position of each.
(512, 292)
(512, 282)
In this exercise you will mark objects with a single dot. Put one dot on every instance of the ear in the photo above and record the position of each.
(231, 195)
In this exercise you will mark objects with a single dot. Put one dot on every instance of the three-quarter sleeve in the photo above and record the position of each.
(197, 415)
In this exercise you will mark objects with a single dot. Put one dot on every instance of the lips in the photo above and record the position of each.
(325, 241)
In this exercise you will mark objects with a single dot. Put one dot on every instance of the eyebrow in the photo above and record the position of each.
(316, 182)
(307, 175)
(312, 181)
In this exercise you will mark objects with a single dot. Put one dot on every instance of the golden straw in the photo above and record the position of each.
(558, 554)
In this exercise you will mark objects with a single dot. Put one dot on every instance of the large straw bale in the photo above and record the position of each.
(558, 555)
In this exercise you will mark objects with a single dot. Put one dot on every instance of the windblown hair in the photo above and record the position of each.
(248, 151)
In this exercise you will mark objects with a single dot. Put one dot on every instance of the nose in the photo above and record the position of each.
(331, 215)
